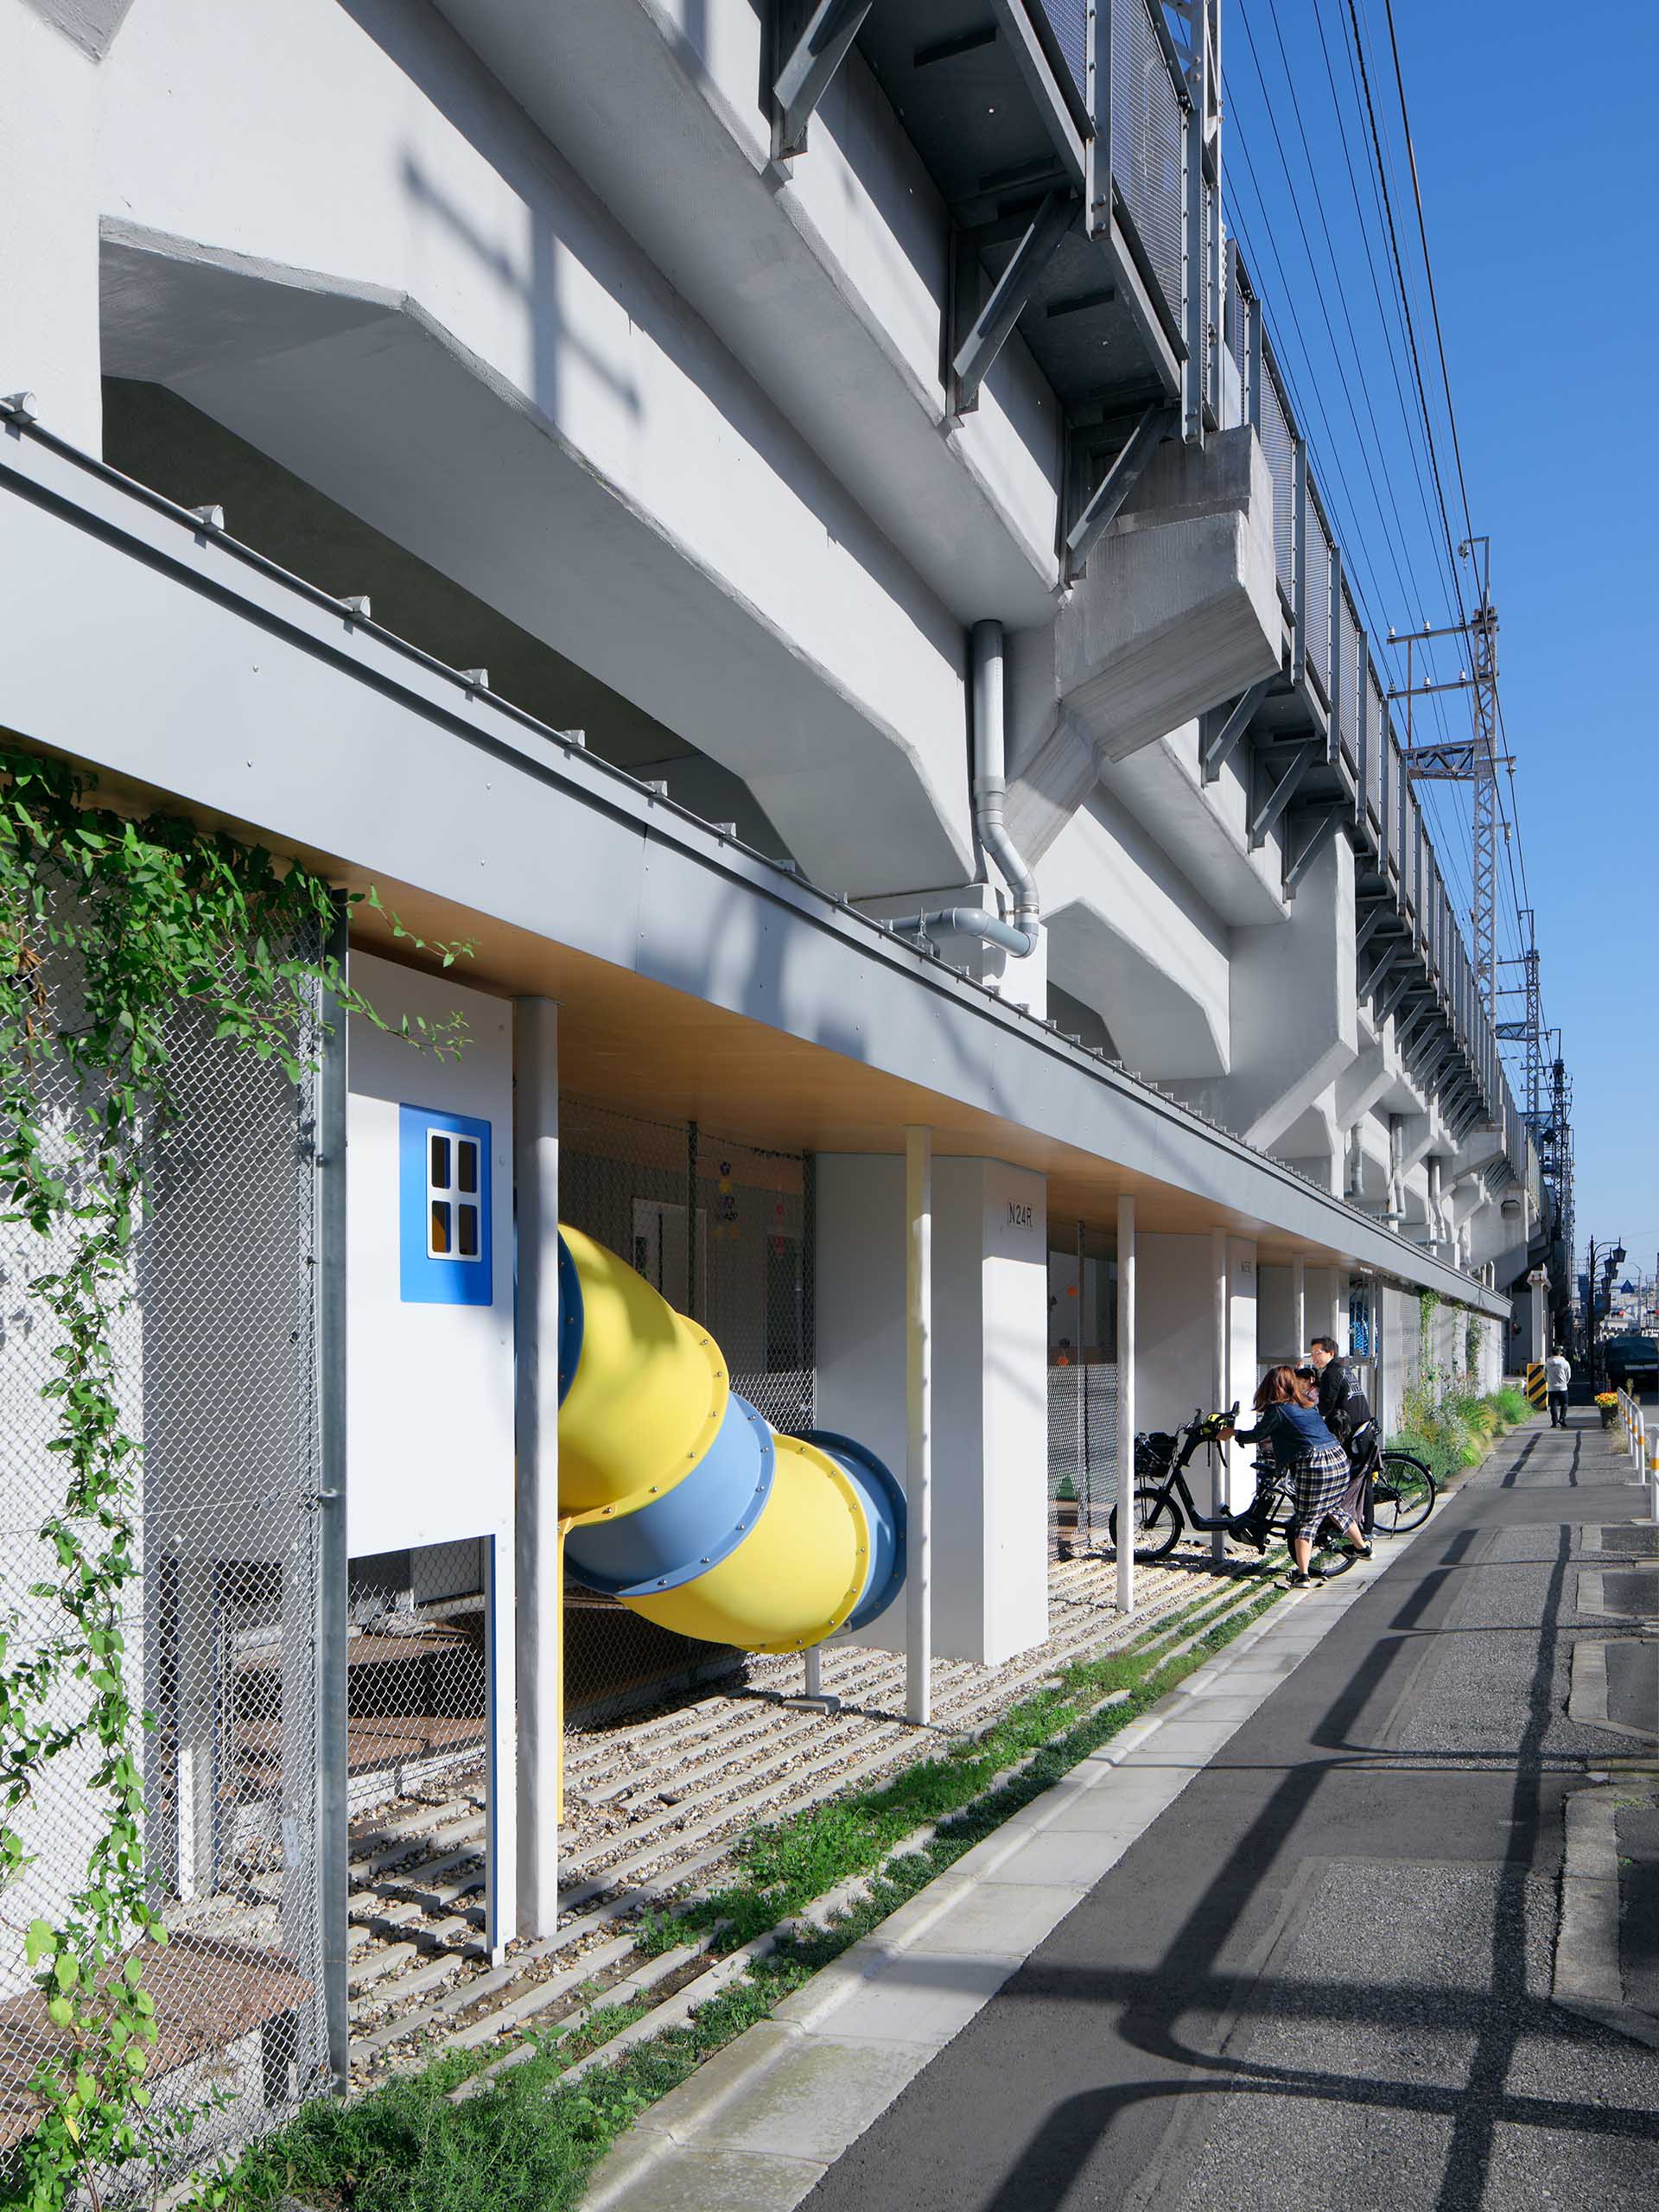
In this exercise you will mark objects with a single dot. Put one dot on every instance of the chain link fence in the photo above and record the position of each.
(1082, 1456)
(1082, 1388)
(216, 1352)
(724, 1231)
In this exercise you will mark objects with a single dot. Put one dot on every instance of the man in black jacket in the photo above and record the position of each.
(1344, 1406)
(1346, 1412)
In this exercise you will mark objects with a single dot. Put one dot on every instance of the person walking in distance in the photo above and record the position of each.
(1557, 1374)
(1306, 1451)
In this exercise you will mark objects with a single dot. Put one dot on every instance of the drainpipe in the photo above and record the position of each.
(1020, 938)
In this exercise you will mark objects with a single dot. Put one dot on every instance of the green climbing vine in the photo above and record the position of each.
(1428, 1305)
(108, 927)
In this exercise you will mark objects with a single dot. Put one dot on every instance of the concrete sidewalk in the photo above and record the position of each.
(1291, 1941)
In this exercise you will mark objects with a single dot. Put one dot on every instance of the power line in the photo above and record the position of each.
(1335, 269)
(1399, 277)
(1428, 267)
(1384, 322)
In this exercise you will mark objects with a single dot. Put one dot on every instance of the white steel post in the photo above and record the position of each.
(919, 1393)
(1218, 1391)
(1298, 1302)
(537, 1548)
(1126, 1404)
(501, 1890)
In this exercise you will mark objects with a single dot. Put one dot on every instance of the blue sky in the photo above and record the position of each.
(1529, 124)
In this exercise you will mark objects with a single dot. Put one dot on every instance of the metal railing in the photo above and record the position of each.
(1328, 643)
(1642, 1443)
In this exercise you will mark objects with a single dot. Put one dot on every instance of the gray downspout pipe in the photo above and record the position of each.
(1020, 937)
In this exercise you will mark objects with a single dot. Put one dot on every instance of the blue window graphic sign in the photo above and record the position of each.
(445, 1247)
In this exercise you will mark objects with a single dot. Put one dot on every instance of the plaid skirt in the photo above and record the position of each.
(1319, 1481)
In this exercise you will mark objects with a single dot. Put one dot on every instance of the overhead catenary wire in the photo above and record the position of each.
(1430, 800)
(1396, 536)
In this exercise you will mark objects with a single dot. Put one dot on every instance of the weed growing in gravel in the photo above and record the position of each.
(531, 2138)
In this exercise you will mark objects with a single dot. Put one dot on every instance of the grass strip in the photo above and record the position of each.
(532, 2139)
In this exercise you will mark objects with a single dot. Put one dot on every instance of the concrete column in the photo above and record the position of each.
(1220, 1391)
(918, 1411)
(1125, 1271)
(1242, 1309)
(1538, 1284)
(49, 169)
(988, 1421)
(538, 1551)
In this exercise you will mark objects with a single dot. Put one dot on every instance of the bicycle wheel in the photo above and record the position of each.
(1403, 1493)
(1330, 1555)
(1157, 1522)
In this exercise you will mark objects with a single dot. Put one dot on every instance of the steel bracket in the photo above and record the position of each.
(975, 348)
(807, 64)
(1323, 822)
(1265, 813)
(1217, 750)
(1101, 510)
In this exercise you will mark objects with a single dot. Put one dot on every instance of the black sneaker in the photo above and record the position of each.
(1298, 1580)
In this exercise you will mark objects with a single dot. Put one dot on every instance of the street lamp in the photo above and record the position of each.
(1600, 1296)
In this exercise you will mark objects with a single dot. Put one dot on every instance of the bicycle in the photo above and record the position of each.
(1401, 1495)
(1403, 1491)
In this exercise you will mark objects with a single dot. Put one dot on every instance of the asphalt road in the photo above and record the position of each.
(1321, 1978)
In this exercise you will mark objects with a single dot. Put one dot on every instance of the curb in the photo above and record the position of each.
(1586, 1979)
(766, 2055)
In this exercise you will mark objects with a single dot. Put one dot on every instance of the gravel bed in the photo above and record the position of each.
(657, 1803)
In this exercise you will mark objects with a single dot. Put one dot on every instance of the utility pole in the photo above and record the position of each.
(1473, 760)
(1529, 1032)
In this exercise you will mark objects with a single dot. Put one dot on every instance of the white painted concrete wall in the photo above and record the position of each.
(431, 1386)
(369, 237)
(1174, 1327)
(990, 1406)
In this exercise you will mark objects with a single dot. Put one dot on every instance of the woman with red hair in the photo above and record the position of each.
(1306, 1451)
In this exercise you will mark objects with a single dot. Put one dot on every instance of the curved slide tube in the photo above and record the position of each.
(683, 1502)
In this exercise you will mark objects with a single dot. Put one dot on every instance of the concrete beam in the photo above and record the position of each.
(1178, 612)
(1130, 937)
(827, 277)
(654, 572)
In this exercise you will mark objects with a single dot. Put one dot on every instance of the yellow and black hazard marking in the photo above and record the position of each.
(1536, 1390)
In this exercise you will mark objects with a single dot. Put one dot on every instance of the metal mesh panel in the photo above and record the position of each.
(217, 1354)
(1376, 748)
(1278, 448)
(1348, 717)
(1069, 21)
(746, 1271)
(1148, 146)
(417, 1681)
(1318, 641)
(1082, 1454)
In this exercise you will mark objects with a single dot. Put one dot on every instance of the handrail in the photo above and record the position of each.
(1405, 842)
